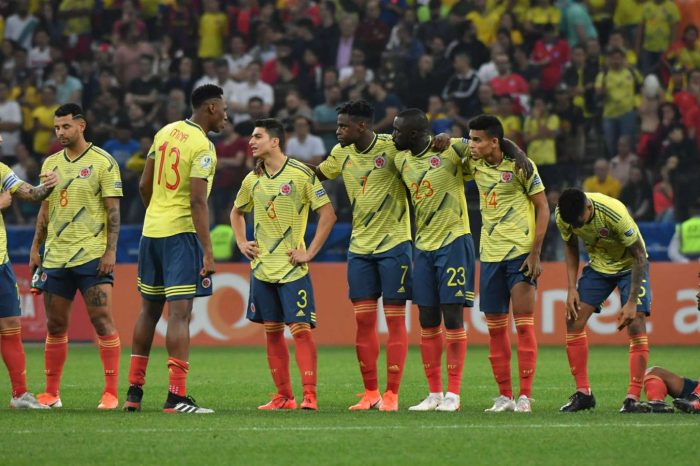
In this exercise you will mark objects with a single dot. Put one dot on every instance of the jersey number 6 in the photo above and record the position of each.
(173, 154)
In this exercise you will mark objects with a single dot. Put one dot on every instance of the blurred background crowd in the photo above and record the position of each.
(600, 93)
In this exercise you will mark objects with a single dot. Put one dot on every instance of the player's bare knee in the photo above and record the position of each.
(654, 370)
(102, 323)
(638, 326)
(56, 325)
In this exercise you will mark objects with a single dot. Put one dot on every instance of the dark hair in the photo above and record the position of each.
(204, 93)
(357, 109)
(70, 109)
(488, 123)
(416, 118)
(275, 129)
(255, 98)
(572, 203)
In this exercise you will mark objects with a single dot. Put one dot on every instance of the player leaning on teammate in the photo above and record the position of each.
(10, 329)
(515, 215)
(79, 224)
(175, 254)
(618, 258)
(280, 191)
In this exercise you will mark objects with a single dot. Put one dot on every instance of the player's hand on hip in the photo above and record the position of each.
(249, 249)
(208, 266)
(106, 265)
(34, 259)
(573, 305)
(49, 179)
(441, 141)
(532, 267)
(298, 256)
(626, 315)
(5, 200)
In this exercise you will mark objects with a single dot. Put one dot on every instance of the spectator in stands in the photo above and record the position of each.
(234, 161)
(550, 53)
(128, 54)
(184, 79)
(327, 34)
(20, 26)
(43, 120)
(512, 125)
(68, 88)
(237, 58)
(656, 32)
(40, 53)
(602, 181)
(27, 169)
(467, 43)
(252, 87)
(627, 16)
(303, 145)
(144, 90)
(122, 147)
(685, 53)
(224, 81)
(213, 28)
(577, 24)
(522, 66)
(325, 117)
(663, 193)
(621, 165)
(10, 122)
(208, 73)
(440, 122)
(76, 16)
(485, 21)
(685, 243)
(463, 86)
(373, 33)
(423, 82)
(129, 15)
(433, 23)
(386, 106)
(283, 53)
(293, 106)
(346, 41)
(487, 99)
(637, 196)
(539, 18)
(618, 41)
(255, 111)
(348, 75)
(571, 139)
(104, 114)
(652, 98)
(510, 83)
(539, 133)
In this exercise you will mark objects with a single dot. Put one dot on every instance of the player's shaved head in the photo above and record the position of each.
(572, 206)
(205, 93)
(411, 130)
(414, 119)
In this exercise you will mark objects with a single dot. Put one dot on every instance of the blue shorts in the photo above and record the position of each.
(9, 292)
(595, 287)
(169, 268)
(387, 274)
(496, 279)
(446, 275)
(65, 281)
(291, 302)
(689, 387)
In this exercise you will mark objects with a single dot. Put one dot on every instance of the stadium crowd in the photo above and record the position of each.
(603, 94)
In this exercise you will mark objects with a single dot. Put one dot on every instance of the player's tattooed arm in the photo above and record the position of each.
(42, 228)
(109, 258)
(628, 312)
(521, 161)
(29, 193)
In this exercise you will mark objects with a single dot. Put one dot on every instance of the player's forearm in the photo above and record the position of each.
(238, 225)
(42, 228)
(200, 218)
(640, 261)
(571, 257)
(146, 183)
(29, 193)
(326, 220)
(113, 223)
(541, 222)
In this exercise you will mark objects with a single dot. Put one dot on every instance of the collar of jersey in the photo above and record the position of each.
(427, 149)
(286, 160)
(65, 154)
(592, 213)
(192, 123)
(370, 147)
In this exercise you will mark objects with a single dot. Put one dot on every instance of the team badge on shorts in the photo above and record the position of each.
(506, 177)
(252, 308)
(286, 189)
(206, 282)
(85, 172)
(435, 161)
(603, 232)
(379, 161)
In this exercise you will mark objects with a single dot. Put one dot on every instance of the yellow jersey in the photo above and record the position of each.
(281, 209)
(608, 234)
(380, 215)
(77, 230)
(212, 29)
(8, 182)
(181, 150)
(507, 212)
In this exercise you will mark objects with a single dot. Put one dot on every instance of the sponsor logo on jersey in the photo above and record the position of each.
(117, 185)
(320, 193)
(85, 172)
(380, 161)
(435, 161)
(506, 177)
(603, 232)
(206, 162)
(536, 180)
(206, 282)
(629, 232)
(286, 189)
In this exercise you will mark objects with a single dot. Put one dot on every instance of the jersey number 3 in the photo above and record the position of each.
(174, 157)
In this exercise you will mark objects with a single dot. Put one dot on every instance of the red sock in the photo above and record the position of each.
(55, 354)
(305, 353)
(396, 345)
(178, 370)
(655, 388)
(110, 351)
(278, 357)
(577, 352)
(697, 389)
(456, 353)
(527, 352)
(499, 352)
(367, 341)
(639, 355)
(431, 353)
(137, 370)
(15, 360)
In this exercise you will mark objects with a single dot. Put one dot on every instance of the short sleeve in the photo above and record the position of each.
(315, 194)
(111, 180)
(152, 151)
(333, 165)
(623, 228)
(244, 198)
(461, 146)
(564, 228)
(203, 164)
(532, 185)
(467, 168)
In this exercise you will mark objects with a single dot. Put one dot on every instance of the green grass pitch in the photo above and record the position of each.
(233, 381)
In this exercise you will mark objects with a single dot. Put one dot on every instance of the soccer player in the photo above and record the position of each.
(515, 215)
(10, 327)
(380, 253)
(659, 383)
(444, 257)
(175, 254)
(79, 222)
(618, 258)
(690, 402)
(280, 191)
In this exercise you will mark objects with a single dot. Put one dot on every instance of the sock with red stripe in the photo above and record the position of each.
(55, 354)
(431, 342)
(305, 353)
(654, 388)
(110, 351)
(178, 370)
(367, 342)
(137, 370)
(697, 389)
(396, 345)
(500, 352)
(639, 355)
(577, 353)
(278, 357)
(15, 360)
(527, 351)
(456, 350)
